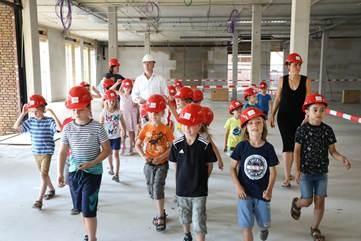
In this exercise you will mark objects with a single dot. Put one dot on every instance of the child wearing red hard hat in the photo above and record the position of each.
(250, 96)
(253, 171)
(314, 140)
(153, 145)
(264, 100)
(42, 130)
(193, 157)
(89, 146)
(233, 126)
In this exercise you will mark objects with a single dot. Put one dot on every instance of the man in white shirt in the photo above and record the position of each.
(148, 83)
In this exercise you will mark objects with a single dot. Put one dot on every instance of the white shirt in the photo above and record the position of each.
(144, 87)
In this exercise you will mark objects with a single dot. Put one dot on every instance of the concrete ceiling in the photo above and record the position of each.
(203, 20)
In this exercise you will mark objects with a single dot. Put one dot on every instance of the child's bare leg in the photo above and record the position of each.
(131, 140)
(43, 185)
(318, 211)
(186, 228)
(288, 159)
(90, 227)
(247, 234)
(160, 207)
(49, 183)
(200, 237)
(303, 203)
(110, 163)
(116, 162)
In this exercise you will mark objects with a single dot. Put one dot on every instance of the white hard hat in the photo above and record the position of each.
(148, 58)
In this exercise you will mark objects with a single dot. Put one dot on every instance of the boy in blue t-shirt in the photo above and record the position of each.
(250, 97)
(253, 171)
(264, 99)
(42, 130)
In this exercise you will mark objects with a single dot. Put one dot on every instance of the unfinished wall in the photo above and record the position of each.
(9, 88)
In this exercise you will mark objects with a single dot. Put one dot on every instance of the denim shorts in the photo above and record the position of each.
(251, 208)
(193, 210)
(313, 185)
(115, 143)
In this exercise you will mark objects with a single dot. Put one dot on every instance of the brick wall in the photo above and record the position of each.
(9, 87)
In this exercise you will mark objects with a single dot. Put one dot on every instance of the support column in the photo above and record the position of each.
(256, 43)
(32, 50)
(113, 32)
(235, 64)
(300, 26)
(81, 47)
(323, 69)
(147, 43)
(266, 60)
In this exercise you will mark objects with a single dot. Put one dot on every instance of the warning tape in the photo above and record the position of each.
(353, 118)
(230, 81)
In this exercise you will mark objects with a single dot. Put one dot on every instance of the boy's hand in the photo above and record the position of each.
(297, 177)
(220, 165)
(346, 163)
(25, 108)
(225, 149)
(241, 193)
(267, 194)
(86, 165)
(61, 182)
(272, 121)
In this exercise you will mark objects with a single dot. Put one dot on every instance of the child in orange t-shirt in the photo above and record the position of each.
(153, 145)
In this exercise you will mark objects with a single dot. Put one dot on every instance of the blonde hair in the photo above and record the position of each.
(245, 134)
(107, 107)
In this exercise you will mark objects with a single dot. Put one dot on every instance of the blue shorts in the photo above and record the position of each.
(115, 143)
(313, 185)
(251, 208)
(84, 189)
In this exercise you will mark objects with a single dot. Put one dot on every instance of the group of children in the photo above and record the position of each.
(182, 139)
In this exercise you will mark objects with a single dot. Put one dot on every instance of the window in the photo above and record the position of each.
(86, 64)
(243, 69)
(78, 65)
(70, 81)
(93, 66)
(45, 69)
(276, 68)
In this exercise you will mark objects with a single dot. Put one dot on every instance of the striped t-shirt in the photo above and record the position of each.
(84, 142)
(42, 134)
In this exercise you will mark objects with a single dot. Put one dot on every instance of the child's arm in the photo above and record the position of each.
(267, 194)
(59, 126)
(122, 125)
(218, 155)
(335, 154)
(115, 85)
(139, 149)
(97, 93)
(210, 168)
(239, 189)
(162, 158)
(297, 158)
(101, 118)
(276, 103)
(61, 162)
(172, 110)
(17, 123)
(270, 105)
(225, 140)
(106, 150)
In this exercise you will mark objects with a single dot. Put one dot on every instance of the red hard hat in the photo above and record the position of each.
(294, 58)
(197, 95)
(314, 99)
(191, 114)
(178, 83)
(250, 113)
(107, 83)
(249, 92)
(155, 103)
(114, 62)
(110, 95)
(208, 115)
(235, 104)
(84, 84)
(172, 91)
(127, 84)
(36, 101)
(263, 85)
(78, 98)
(184, 93)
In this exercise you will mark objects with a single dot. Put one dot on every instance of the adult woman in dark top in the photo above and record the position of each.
(114, 72)
(291, 93)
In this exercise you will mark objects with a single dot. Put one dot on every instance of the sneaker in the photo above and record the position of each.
(74, 211)
(86, 238)
(111, 172)
(115, 178)
(188, 237)
(263, 234)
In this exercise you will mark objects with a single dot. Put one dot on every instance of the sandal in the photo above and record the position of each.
(38, 205)
(49, 195)
(263, 235)
(286, 185)
(115, 178)
(295, 211)
(187, 237)
(86, 237)
(161, 226)
(316, 234)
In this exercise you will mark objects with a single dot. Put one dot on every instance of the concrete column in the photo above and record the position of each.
(147, 43)
(323, 69)
(266, 60)
(81, 46)
(300, 26)
(57, 64)
(113, 32)
(32, 50)
(235, 63)
(256, 43)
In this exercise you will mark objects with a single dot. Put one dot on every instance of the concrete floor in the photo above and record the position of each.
(125, 211)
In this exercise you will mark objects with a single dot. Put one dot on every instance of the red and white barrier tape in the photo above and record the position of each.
(230, 81)
(353, 118)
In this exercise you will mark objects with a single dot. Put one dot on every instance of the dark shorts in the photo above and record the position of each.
(115, 143)
(84, 189)
(155, 176)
